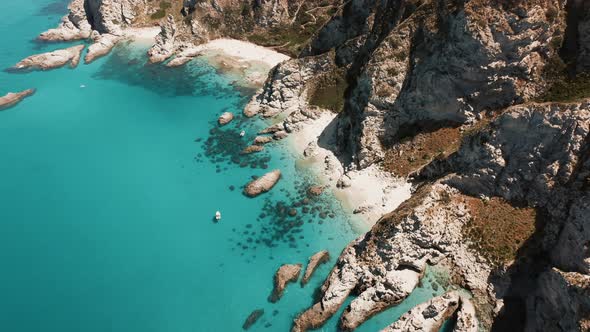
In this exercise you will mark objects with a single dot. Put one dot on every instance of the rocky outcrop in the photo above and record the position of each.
(52, 60)
(287, 273)
(252, 318)
(385, 265)
(12, 98)
(262, 184)
(102, 16)
(165, 46)
(73, 26)
(103, 44)
(428, 316)
(225, 118)
(252, 149)
(315, 261)
(262, 140)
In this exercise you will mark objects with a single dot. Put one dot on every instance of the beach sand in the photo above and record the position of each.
(370, 193)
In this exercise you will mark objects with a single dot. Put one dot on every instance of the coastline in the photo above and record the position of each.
(369, 193)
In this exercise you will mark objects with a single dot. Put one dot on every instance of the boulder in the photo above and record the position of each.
(225, 118)
(315, 191)
(253, 318)
(52, 60)
(252, 149)
(103, 44)
(285, 274)
(12, 98)
(262, 140)
(314, 261)
(279, 135)
(262, 184)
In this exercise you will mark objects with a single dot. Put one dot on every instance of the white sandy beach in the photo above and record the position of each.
(142, 35)
(370, 192)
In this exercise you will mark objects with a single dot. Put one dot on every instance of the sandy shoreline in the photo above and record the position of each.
(369, 193)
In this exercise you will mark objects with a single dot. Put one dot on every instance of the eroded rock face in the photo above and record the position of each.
(287, 273)
(52, 60)
(103, 44)
(73, 26)
(385, 265)
(315, 261)
(428, 316)
(165, 46)
(262, 184)
(12, 98)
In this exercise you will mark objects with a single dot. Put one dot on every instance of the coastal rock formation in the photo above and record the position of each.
(102, 16)
(285, 274)
(262, 184)
(52, 60)
(314, 262)
(252, 149)
(103, 44)
(428, 316)
(252, 318)
(12, 98)
(225, 118)
(262, 140)
(165, 46)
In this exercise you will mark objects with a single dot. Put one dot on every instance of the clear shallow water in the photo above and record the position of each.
(107, 195)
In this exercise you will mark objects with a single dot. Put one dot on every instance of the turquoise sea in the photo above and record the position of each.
(107, 195)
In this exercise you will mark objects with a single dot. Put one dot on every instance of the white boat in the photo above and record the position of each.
(242, 133)
(82, 86)
(217, 215)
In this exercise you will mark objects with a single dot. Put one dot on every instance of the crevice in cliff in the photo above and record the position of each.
(571, 43)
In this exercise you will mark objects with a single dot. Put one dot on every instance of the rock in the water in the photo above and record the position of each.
(103, 44)
(262, 140)
(252, 149)
(52, 60)
(225, 118)
(280, 135)
(262, 184)
(315, 190)
(314, 261)
(11, 99)
(285, 274)
(74, 26)
(253, 318)
(428, 316)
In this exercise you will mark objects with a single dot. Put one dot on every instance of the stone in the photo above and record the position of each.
(102, 45)
(225, 118)
(262, 184)
(252, 318)
(252, 149)
(287, 273)
(315, 190)
(52, 60)
(314, 262)
(279, 135)
(12, 98)
(262, 140)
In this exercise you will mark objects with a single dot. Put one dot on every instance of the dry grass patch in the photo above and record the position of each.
(413, 153)
(498, 229)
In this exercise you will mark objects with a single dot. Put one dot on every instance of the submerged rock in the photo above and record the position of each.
(52, 60)
(13, 98)
(285, 274)
(262, 184)
(314, 261)
(252, 149)
(225, 118)
(315, 190)
(253, 318)
(103, 44)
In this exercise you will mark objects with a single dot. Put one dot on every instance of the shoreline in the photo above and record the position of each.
(368, 194)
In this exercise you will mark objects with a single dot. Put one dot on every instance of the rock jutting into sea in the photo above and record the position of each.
(252, 318)
(103, 44)
(262, 140)
(12, 98)
(52, 60)
(252, 149)
(314, 262)
(262, 184)
(74, 26)
(285, 274)
(164, 47)
(225, 118)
